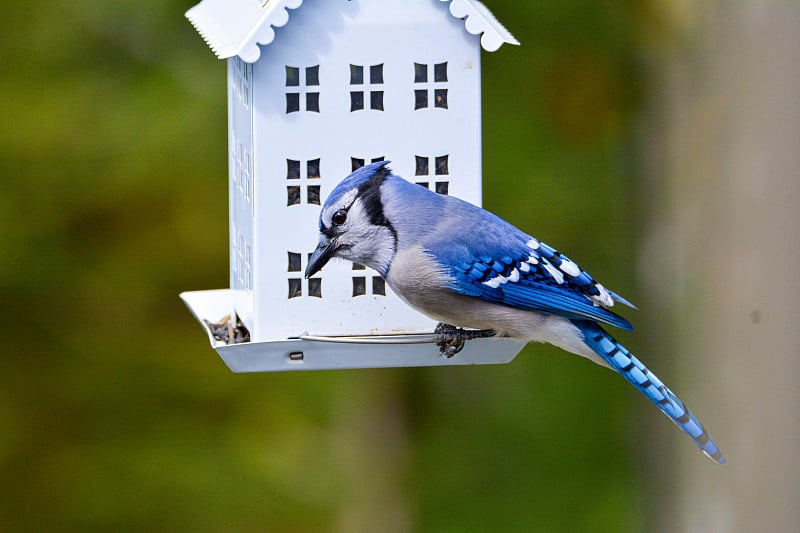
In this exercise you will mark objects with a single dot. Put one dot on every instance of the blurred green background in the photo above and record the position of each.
(116, 415)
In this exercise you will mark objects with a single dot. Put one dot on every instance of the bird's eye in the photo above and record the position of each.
(339, 217)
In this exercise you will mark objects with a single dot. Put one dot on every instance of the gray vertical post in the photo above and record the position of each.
(722, 255)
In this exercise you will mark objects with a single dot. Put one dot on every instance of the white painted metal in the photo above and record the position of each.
(241, 187)
(237, 27)
(290, 109)
(480, 21)
(336, 134)
(298, 354)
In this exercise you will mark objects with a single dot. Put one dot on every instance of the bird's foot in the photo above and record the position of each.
(451, 339)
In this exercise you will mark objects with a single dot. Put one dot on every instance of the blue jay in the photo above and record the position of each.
(468, 268)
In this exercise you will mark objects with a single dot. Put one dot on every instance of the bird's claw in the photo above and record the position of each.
(450, 342)
(451, 339)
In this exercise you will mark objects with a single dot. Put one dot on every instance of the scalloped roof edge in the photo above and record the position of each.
(236, 27)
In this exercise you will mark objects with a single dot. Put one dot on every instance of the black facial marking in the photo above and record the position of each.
(370, 195)
(329, 232)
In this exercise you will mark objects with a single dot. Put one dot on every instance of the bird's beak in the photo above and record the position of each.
(321, 256)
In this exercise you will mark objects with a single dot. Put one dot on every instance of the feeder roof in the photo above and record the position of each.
(237, 27)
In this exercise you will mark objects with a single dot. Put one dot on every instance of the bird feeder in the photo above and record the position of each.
(317, 89)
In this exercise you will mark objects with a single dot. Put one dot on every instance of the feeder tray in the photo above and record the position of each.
(309, 352)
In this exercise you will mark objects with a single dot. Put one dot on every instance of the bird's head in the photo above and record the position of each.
(352, 224)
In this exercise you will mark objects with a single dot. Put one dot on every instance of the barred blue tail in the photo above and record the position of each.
(621, 360)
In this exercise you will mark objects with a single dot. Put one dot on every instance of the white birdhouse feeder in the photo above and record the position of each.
(317, 89)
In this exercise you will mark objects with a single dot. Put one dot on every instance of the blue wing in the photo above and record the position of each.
(521, 272)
